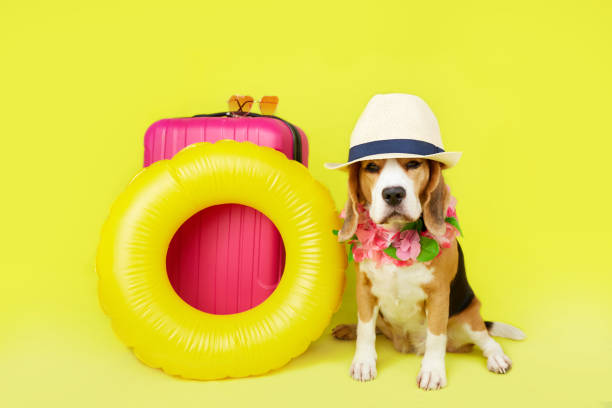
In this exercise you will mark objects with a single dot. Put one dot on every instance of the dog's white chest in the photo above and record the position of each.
(399, 292)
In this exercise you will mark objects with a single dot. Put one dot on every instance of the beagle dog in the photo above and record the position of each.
(425, 308)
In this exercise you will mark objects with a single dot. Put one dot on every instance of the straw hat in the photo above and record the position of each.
(397, 126)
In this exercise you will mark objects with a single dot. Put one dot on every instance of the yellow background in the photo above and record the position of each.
(523, 88)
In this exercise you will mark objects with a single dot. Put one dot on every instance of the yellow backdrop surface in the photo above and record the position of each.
(523, 88)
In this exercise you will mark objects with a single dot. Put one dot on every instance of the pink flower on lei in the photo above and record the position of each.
(450, 211)
(445, 240)
(372, 236)
(408, 245)
(372, 239)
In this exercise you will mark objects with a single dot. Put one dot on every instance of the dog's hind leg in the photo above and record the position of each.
(497, 361)
(468, 327)
(349, 331)
(401, 341)
(345, 332)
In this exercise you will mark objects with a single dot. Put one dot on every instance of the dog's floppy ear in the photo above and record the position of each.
(435, 199)
(350, 209)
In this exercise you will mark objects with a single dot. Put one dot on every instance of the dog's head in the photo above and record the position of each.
(395, 192)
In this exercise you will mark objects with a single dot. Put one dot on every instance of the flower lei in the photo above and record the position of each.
(412, 243)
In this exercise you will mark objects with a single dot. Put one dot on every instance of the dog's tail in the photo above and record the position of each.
(499, 329)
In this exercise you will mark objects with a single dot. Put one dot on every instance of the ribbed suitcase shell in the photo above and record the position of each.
(227, 258)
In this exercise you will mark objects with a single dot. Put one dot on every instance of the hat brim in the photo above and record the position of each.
(449, 159)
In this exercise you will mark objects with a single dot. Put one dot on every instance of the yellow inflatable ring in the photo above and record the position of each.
(166, 332)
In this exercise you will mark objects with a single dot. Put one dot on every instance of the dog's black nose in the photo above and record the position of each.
(393, 195)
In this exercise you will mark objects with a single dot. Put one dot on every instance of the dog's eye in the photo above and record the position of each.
(372, 168)
(412, 164)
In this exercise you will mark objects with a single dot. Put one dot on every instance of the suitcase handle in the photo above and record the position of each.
(297, 139)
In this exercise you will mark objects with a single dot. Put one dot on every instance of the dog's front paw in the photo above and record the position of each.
(432, 375)
(499, 363)
(363, 368)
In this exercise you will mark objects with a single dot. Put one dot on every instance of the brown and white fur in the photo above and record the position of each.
(410, 305)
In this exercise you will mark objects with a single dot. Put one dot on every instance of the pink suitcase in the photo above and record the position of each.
(227, 258)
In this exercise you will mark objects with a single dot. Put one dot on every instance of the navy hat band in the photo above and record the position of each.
(408, 146)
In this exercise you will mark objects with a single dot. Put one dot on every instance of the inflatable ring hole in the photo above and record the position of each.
(226, 259)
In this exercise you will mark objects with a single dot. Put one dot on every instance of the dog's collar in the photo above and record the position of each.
(413, 243)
